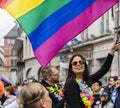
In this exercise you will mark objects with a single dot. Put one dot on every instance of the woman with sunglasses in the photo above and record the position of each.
(77, 91)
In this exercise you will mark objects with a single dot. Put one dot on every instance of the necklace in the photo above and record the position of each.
(86, 93)
(56, 91)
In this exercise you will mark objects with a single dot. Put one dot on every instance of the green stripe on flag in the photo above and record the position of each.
(31, 20)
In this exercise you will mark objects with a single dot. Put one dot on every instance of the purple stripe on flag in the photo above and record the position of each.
(51, 47)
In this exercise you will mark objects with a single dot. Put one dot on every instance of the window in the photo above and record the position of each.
(14, 52)
(13, 62)
(12, 41)
(8, 41)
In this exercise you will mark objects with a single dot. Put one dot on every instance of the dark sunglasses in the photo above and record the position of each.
(80, 62)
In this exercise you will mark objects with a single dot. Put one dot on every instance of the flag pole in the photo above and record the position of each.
(118, 35)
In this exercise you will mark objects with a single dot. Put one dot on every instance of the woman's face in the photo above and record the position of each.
(47, 100)
(78, 65)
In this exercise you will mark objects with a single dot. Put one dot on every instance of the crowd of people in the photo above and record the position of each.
(80, 90)
(108, 96)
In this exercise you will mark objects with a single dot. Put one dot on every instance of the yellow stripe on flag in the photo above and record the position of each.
(18, 8)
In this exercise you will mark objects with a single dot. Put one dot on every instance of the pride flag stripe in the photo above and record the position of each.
(54, 44)
(54, 22)
(5, 3)
(38, 14)
(18, 8)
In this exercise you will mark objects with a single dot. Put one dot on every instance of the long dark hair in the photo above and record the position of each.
(71, 74)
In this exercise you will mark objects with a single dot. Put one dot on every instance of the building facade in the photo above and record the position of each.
(1, 60)
(10, 57)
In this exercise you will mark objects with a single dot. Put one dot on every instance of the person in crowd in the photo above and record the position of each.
(112, 87)
(2, 90)
(26, 81)
(112, 81)
(96, 87)
(15, 104)
(9, 93)
(117, 101)
(32, 95)
(51, 83)
(6, 81)
(77, 91)
(17, 89)
(106, 99)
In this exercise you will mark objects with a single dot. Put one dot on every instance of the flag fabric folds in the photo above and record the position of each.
(50, 24)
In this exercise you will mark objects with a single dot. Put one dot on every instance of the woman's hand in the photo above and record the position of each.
(114, 48)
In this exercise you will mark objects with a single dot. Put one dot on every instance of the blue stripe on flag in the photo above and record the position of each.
(58, 19)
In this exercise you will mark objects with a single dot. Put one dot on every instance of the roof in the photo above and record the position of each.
(14, 32)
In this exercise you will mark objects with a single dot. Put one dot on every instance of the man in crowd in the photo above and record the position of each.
(117, 100)
(51, 83)
(112, 87)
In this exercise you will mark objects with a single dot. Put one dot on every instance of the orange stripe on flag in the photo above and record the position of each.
(5, 3)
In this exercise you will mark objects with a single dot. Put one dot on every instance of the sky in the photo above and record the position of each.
(6, 24)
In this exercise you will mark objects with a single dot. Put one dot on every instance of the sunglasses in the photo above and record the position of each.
(76, 62)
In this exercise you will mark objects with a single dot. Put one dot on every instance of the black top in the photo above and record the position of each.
(3, 99)
(97, 100)
(56, 103)
(71, 88)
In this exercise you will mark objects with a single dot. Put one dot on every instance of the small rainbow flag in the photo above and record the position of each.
(50, 24)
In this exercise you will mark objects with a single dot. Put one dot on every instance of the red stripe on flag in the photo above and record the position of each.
(5, 3)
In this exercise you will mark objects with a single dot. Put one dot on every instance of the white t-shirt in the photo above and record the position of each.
(12, 105)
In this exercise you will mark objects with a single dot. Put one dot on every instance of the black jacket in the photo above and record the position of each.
(56, 103)
(3, 99)
(97, 100)
(71, 88)
(117, 102)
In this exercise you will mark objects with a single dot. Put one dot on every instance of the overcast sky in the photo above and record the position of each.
(6, 24)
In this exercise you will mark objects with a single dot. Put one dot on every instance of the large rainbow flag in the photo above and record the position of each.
(50, 24)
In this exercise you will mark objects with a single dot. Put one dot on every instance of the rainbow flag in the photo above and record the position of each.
(50, 24)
